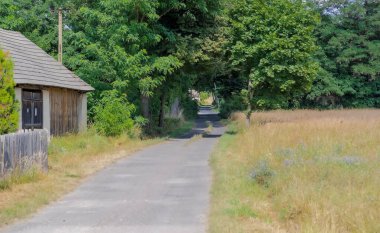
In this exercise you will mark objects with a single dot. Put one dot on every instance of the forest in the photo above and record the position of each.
(143, 55)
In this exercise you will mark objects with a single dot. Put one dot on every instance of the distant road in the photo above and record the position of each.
(162, 189)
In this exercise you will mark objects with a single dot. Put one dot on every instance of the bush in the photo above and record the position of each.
(113, 114)
(232, 104)
(262, 174)
(190, 108)
(8, 103)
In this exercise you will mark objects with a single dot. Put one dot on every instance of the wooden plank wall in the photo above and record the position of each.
(63, 111)
(23, 150)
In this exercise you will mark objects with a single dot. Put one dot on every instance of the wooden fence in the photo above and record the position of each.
(23, 150)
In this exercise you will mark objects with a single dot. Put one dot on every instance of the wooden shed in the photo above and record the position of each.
(50, 96)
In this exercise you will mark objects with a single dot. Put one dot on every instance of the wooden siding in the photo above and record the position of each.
(63, 111)
(22, 151)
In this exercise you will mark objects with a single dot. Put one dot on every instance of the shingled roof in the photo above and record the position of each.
(34, 66)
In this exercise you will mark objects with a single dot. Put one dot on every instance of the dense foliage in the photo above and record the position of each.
(144, 49)
(349, 40)
(336, 58)
(271, 46)
(8, 104)
(113, 115)
(249, 53)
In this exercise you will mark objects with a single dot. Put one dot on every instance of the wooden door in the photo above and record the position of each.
(32, 109)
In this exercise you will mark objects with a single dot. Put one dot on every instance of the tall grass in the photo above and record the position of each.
(299, 171)
(71, 158)
(20, 177)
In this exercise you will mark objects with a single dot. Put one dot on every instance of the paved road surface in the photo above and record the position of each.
(162, 189)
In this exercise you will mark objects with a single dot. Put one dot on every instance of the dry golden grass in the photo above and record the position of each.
(299, 171)
(71, 159)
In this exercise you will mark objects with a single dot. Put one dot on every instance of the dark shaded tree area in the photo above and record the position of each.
(349, 55)
(144, 49)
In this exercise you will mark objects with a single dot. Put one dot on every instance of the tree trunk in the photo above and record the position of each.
(250, 96)
(248, 118)
(145, 107)
(162, 110)
(175, 109)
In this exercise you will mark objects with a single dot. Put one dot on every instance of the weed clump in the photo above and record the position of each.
(262, 174)
(5, 184)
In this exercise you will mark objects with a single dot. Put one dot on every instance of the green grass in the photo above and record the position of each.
(17, 178)
(226, 204)
(209, 128)
(182, 128)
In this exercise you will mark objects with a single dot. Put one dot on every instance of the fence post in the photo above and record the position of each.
(2, 158)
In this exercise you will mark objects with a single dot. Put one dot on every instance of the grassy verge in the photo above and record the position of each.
(180, 128)
(71, 158)
(299, 171)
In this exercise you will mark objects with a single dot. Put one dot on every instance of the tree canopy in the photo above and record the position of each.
(250, 53)
(272, 45)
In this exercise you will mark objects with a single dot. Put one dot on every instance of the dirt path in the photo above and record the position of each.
(164, 188)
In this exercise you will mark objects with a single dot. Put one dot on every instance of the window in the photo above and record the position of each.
(31, 109)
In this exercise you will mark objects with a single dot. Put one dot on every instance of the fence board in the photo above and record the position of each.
(23, 150)
(1, 156)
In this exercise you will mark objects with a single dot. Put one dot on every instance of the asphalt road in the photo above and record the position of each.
(162, 189)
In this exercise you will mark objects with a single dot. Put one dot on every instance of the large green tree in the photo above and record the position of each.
(272, 45)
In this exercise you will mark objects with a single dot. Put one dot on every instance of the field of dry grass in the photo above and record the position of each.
(298, 171)
(71, 159)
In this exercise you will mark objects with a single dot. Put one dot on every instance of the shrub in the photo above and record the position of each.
(137, 131)
(113, 114)
(190, 108)
(232, 104)
(262, 174)
(8, 103)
